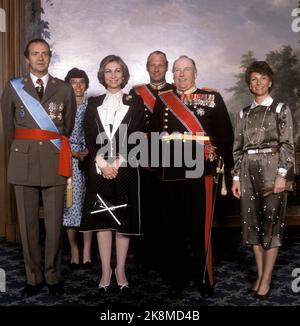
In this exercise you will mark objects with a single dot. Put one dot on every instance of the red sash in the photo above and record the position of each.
(65, 158)
(147, 96)
(185, 116)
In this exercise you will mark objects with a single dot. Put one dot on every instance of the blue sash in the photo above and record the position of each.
(35, 109)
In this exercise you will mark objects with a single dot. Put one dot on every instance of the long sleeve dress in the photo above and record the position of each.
(111, 141)
(263, 147)
(72, 215)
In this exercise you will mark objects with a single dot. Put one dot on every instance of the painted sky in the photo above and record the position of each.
(213, 32)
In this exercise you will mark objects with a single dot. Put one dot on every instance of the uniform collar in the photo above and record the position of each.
(188, 91)
(159, 86)
(266, 102)
(44, 79)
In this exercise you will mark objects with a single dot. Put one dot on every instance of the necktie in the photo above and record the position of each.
(40, 88)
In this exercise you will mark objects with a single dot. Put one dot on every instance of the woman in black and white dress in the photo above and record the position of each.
(113, 176)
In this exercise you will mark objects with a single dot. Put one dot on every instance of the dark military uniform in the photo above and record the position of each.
(33, 168)
(154, 91)
(148, 247)
(187, 203)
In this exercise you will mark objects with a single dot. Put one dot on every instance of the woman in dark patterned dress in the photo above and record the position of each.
(113, 176)
(264, 158)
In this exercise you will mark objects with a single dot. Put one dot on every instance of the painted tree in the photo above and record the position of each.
(285, 64)
(241, 95)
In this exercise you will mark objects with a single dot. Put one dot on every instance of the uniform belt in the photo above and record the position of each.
(262, 150)
(65, 158)
(179, 136)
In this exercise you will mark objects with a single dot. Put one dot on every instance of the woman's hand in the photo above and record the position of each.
(236, 189)
(82, 154)
(279, 185)
(109, 172)
(75, 154)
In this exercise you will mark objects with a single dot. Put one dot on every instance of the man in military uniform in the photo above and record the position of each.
(200, 117)
(38, 113)
(148, 249)
(157, 67)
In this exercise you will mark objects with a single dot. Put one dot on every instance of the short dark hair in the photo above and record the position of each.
(260, 67)
(113, 58)
(36, 40)
(159, 53)
(77, 73)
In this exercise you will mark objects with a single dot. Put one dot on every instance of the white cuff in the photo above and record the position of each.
(236, 178)
(282, 172)
(98, 170)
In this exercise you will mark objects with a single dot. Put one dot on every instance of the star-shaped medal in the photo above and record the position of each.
(200, 112)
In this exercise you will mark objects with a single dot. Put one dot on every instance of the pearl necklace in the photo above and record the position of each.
(257, 137)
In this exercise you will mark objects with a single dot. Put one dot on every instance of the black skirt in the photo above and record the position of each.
(102, 193)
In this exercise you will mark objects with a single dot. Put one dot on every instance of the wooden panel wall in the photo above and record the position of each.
(9, 68)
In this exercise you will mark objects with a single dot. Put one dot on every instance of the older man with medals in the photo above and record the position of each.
(38, 113)
(199, 118)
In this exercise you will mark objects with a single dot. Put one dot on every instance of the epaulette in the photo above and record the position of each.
(138, 85)
(209, 89)
(163, 92)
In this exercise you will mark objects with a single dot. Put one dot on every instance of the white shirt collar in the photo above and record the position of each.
(111, 104)
(266, 102)
(44, 79)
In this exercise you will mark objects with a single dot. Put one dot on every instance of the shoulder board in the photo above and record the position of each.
(279, 107)
(241, 113)
(209, 90)
(163, 92)
(138, 85)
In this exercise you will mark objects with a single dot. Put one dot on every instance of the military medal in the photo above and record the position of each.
(200, 112)
(55, 111)
(22, 113)
(211, 101)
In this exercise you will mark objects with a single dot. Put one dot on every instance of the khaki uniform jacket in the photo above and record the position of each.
(34, 162)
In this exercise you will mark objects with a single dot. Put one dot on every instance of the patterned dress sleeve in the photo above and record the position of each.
(238, 147)
(286, 141)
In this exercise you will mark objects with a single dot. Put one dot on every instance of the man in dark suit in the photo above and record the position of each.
(38, 113)
(190, 117)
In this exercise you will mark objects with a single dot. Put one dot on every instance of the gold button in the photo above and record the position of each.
(166, 120)
(40, 143)
(167, 109)
(146, 109)
(165, 126)
(16, 149)
(147, 115)
(166, 114)
(147, 122)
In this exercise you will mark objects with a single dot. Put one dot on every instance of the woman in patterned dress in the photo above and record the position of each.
(72, 216)
(110, 120)
(264, 158)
